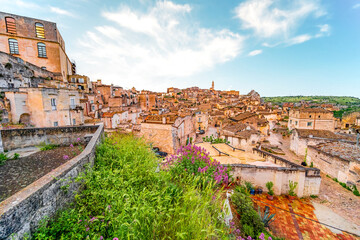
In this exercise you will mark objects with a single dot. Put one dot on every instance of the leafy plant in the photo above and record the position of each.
(45, 147)
(313, 196)
(3, 158)
(8, 66)
(266, 218)
(292, 186)
(269, 186)
(249, 186)
(16, 156)
(312, 165)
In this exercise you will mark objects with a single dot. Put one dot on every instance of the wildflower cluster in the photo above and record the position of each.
(195, 160)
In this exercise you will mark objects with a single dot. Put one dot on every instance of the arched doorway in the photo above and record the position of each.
(25, 118)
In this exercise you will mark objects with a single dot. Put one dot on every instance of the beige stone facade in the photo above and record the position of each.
(311, 118)
(46, 107)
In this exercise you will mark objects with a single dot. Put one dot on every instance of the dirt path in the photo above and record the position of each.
(19, 173)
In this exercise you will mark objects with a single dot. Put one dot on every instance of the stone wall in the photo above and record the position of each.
(20, 214)
(308, 179)
(28, 137)
(334, 166)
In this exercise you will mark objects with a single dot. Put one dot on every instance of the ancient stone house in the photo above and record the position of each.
(311, 118)
(45, 107)
(36, 41)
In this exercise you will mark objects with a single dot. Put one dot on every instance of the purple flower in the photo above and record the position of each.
(87, 229)
(101, 238)
(115, 239)
(65, 157)
(71, 145)
(78, 139)
(269, 238)
(262, 236)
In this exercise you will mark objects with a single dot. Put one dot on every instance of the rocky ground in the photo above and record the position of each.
(19, 173)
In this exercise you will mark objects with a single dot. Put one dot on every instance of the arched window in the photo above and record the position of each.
(39, 29)
(10, 25)
(13, 46)
(41, 50)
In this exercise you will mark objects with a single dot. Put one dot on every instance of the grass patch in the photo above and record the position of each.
(125, 198)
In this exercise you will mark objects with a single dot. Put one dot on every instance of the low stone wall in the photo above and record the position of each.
(308, 179)
(20, 214)
(28, 137)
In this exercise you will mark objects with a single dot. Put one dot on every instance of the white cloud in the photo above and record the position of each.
(299, 39)
(152, 49)
(60, 11)
(255, 52)
(356, 6)
(278, 21)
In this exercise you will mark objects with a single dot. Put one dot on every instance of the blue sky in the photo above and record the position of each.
(277, 47)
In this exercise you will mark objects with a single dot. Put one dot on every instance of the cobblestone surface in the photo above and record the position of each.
(19, 173)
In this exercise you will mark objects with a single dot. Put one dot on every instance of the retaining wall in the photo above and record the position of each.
(28, 137)
(20, 214)
(308, 179)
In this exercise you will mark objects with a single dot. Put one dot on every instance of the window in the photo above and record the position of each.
(10, 25)
(23, 103)
(309, 124)
(81, 80)
(199, 119)
(73, 80)
(91, 101)
(296, 122)
(41, 50)
(39, 29)
(72, 103)
(43, 68)
(56, 124)
(290, 121)
(13, 46)
(74, 121)
(93, 107)
(309, 116)
(53, 104)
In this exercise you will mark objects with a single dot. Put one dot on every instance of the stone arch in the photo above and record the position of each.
(25, 118)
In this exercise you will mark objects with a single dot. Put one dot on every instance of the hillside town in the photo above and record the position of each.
(42, 90)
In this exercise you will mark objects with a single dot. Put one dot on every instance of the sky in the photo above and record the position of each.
(276, 47)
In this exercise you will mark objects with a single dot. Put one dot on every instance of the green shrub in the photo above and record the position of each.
(313, 196)
(45, 147)
(250, 221)
(249, 186)
(292, 186)
(16, 156)
(269, 186)
(3, 158)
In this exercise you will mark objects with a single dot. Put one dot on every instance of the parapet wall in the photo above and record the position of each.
(308, 179)
(21, 213)
(28, 137)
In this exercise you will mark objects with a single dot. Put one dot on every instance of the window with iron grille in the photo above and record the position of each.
(13, 46)
(41, 50)
(39, 30)
(10, 25)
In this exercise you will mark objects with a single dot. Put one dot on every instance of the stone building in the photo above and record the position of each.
(168, 132)
(80, 82)
(201, 121)
(300, 139)
(45, 107)
(350, 120)
(36, 41)
(311, 118)
(338, 159)
(241, 136)
(147, 100)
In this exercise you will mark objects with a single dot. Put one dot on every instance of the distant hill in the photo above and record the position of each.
(351, 104)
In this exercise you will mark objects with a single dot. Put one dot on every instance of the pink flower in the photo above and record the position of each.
(87, 229)
(71, 145)
(78, 139)
(115, 239)
(101, 238)
(65, 157)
